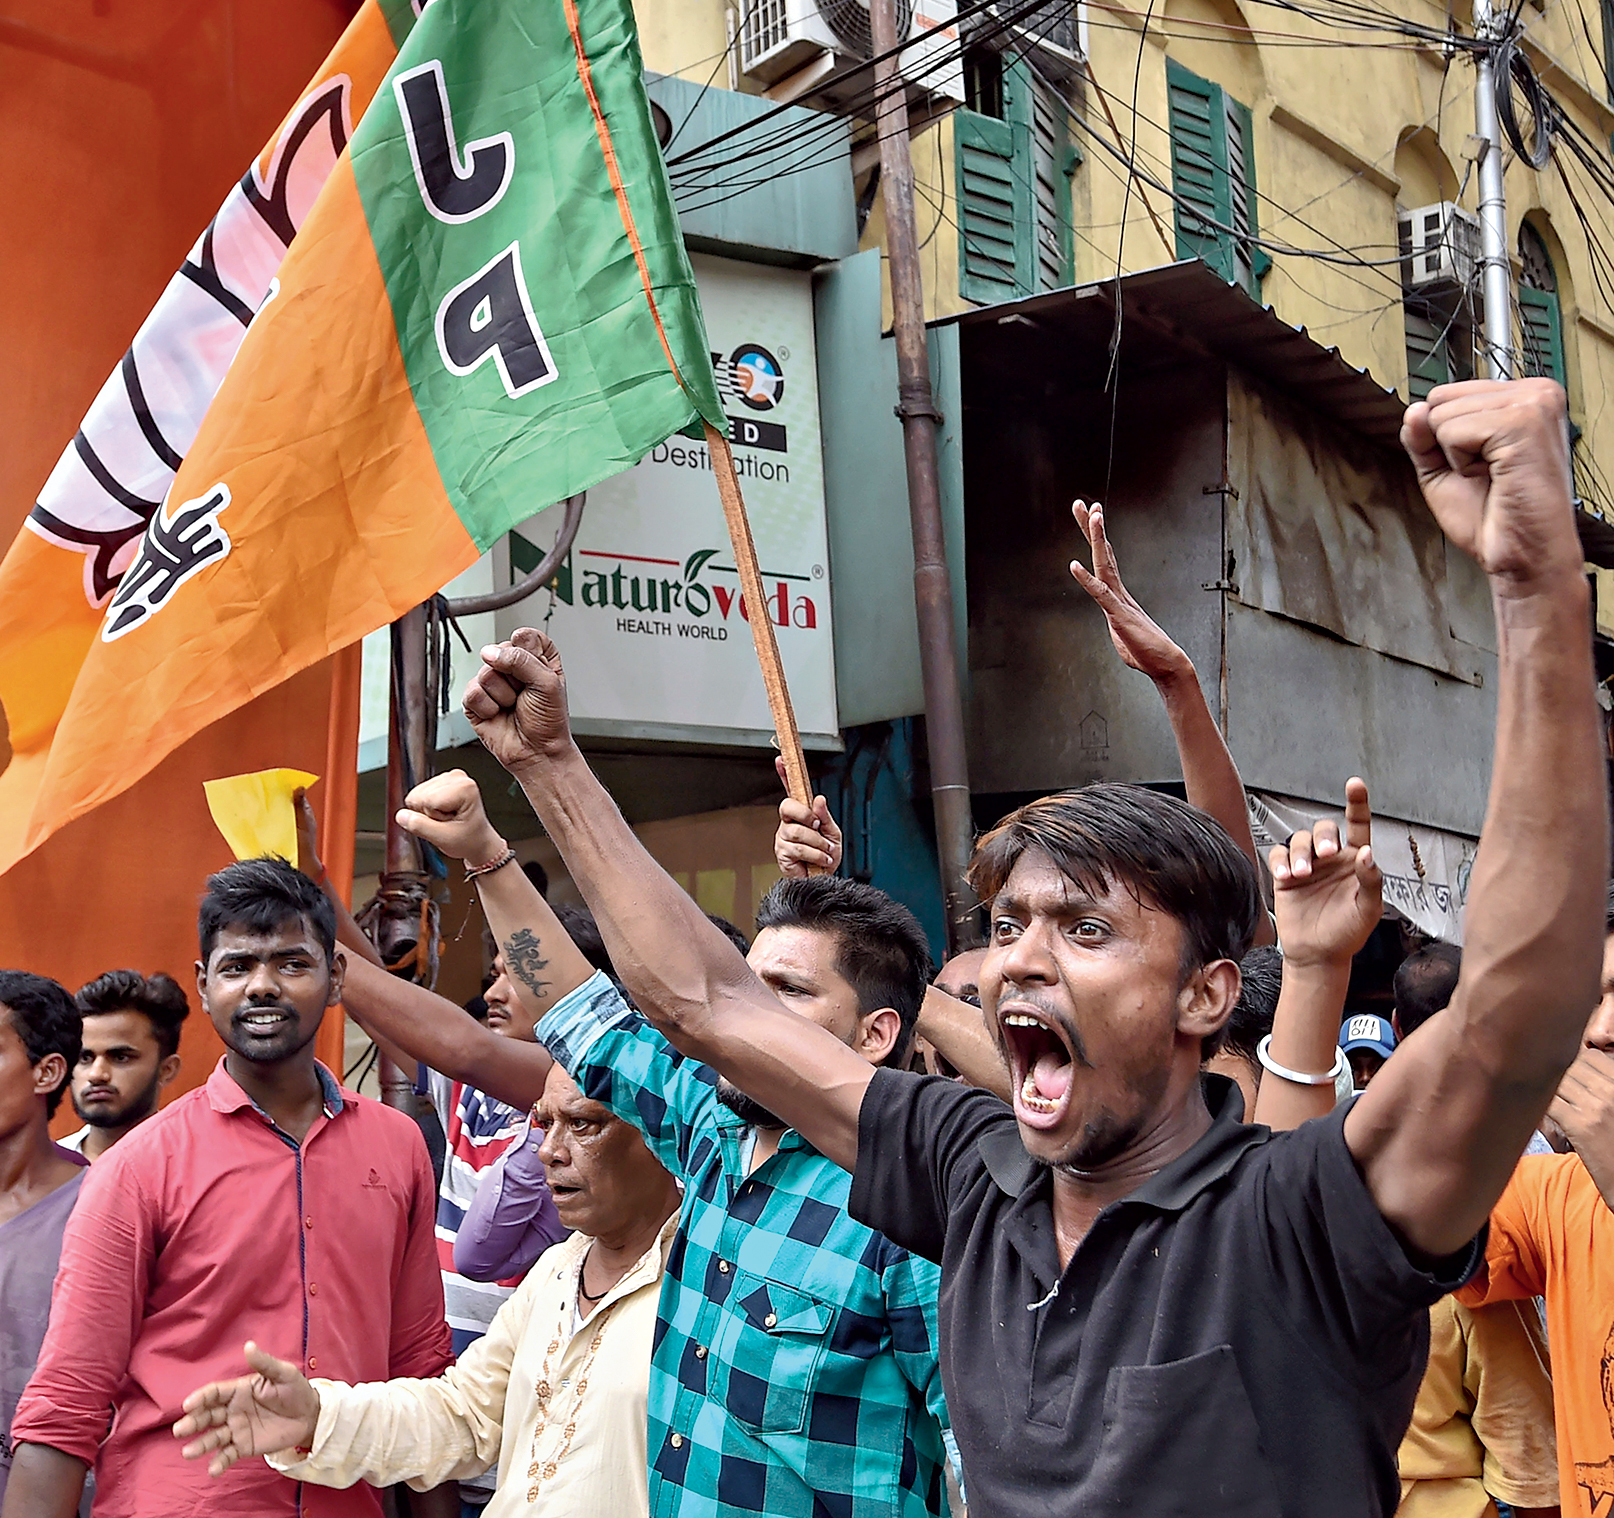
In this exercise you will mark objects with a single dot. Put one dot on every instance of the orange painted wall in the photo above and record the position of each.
(122, 125)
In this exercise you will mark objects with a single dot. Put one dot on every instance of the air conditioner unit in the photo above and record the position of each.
(1440, 246)
(809, 51)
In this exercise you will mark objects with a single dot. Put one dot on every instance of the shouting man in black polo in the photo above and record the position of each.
(1147, 1308)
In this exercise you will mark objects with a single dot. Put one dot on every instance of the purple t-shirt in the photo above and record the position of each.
(30, 1245)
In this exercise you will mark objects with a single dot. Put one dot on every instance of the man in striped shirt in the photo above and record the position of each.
(478, 1129)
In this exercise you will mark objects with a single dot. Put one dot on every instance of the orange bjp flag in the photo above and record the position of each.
(85, 529)
(488, 307)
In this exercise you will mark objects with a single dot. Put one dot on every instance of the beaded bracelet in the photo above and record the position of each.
(473, 870)
(1299, 1077)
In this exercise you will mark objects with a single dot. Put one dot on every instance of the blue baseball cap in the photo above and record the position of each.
(1364, 1030)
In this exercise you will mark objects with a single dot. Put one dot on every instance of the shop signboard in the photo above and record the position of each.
(647, 611)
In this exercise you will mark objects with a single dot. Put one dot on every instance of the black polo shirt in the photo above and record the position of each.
(1241, 1337)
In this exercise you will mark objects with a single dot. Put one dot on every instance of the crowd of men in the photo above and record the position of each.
(1121, 1213)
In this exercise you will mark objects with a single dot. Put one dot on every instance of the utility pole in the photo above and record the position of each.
(916, 406)
(401, 926)
(1496, 277)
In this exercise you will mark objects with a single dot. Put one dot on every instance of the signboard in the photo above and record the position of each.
(647, 611)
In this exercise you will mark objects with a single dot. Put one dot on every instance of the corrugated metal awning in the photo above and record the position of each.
(1188, 306)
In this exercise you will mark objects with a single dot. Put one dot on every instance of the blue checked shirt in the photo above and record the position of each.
(794, 1371)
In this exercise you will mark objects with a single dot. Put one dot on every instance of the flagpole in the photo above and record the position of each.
(797, 781)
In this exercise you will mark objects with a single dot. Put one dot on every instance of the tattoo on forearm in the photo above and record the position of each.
(524, 955)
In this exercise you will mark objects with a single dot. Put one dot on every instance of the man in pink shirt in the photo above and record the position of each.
(270, 1205)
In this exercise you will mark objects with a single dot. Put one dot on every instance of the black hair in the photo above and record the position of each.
(537, 874)
(585, 933)
(1424, 984)
(46, 1021)
(263, 895)
(1608, 909)
(1164, 851)
(1251, 1020)
(157, 998)
(730, 932)
(880, 948)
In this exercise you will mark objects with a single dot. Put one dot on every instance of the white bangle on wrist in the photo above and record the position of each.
(1299, 1077)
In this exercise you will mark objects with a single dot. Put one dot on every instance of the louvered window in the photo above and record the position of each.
(1013, 172)
(1428, 354)
(1540, 320)
(1213, 176)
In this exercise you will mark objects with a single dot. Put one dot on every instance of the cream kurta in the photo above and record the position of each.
(487, 1406)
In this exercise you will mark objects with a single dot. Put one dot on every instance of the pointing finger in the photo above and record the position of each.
(1358, 813)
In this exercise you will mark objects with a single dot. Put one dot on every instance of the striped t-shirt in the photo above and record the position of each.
(478, 1129)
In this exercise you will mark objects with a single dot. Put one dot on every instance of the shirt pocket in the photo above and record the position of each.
(1185, 1433)
(782, 1336)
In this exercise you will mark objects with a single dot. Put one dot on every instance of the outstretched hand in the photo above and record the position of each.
(1328, 893)
(1138, 638)
(517, 703)
(1493, 461)
(447, 812)
(808, 842)
(272, 1410)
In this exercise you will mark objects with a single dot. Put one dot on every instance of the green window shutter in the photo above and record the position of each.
(1198, 122)
(1428, 357)
(1053, 161)
(996, 239)
(1250, 261)
(1213, 176)
(1543, 333)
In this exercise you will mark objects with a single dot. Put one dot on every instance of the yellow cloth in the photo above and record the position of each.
(1482, 1425)
(255, 812)
(486, 1407)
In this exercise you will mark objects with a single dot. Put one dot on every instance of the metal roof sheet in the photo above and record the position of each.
(1188, 305)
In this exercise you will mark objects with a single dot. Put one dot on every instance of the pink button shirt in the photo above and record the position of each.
(207, 1227)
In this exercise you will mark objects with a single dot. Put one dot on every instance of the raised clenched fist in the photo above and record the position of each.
(517, 703)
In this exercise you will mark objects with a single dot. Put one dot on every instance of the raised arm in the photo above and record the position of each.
(542, 961)
(1438, 1132)
(430, 1028)
(681, 972)
(1210, 778)
(1329, 898)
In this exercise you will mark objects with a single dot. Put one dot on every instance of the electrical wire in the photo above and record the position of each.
(1510, 69)
(1112, 376)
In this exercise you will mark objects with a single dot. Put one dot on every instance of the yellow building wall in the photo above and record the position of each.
(1342, 134)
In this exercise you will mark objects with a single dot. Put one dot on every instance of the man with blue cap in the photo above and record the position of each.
(1368, 1040)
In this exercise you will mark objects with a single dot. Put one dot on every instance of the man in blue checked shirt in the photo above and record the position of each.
(795, 1368)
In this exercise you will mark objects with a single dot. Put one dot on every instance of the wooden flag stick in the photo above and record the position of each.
(756, 604)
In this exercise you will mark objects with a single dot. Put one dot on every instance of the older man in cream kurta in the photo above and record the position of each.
(580, 1449)
(554, 1391)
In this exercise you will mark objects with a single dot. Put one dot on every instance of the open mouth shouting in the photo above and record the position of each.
(1041, 1066)
(566, 1194)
